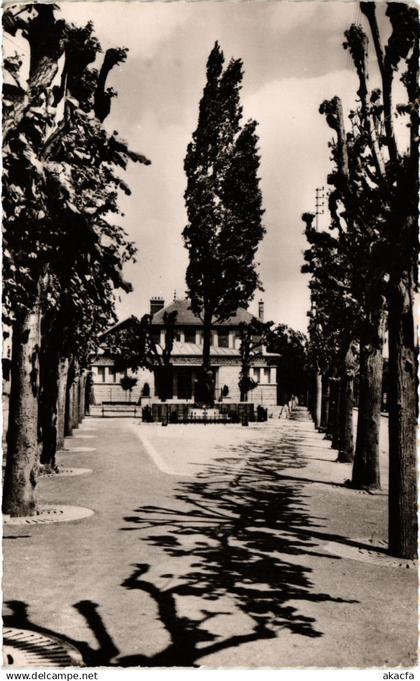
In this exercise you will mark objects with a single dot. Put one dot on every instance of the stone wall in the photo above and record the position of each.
(265, 394)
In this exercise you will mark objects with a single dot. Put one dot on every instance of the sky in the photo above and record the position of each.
(293, 59)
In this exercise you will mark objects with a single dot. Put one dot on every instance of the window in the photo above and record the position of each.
(190, 335)
(101, 374)
(267, 376)
(223, 338)
(112, 374)
(257, 374)
(178, 336)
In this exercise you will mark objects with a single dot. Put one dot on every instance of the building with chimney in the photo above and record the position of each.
(186, 359)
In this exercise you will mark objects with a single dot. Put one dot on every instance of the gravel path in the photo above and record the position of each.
(212, 546)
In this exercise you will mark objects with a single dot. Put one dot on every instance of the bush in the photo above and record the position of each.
(128, 383)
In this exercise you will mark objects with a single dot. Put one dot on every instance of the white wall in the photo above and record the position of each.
(229, 375)
(110, 390)
(264, 394)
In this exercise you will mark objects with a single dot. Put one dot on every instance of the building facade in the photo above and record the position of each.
(186, 359)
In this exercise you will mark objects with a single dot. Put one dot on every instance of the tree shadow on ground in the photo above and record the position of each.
(231, 539)
(17, 615)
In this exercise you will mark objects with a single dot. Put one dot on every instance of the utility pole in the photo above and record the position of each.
(319, 210)
(319, 204)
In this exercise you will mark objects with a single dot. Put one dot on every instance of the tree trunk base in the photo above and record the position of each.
(48, 469)
(363, 487)
(345, 457)
(22, 459)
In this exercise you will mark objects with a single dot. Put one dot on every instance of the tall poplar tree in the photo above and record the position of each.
(224, 205)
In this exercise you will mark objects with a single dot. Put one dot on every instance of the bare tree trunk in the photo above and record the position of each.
(335, 444)
(22, 439)
(346, 445)
(206, 362)
(48, 407)
(402, 420)
(164, 376)
(81, 396)
(68, 419)
(206, 382)
(75, 395)
(61, 406)
(75, 401)
(244, 374)
(366, 472)
(331, 407)
(311, 395)
(318, 399)
(325, 403)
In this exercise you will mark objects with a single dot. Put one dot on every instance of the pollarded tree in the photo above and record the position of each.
(88, 266)
(60, 180)
(391, 172)
(401, 236)
(224, 205)
(333, 328)
(29, 115)
(357, 210)
(82, 308)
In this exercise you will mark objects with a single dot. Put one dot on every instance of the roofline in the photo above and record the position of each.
(115, 326)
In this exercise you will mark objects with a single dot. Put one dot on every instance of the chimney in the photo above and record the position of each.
(261, 310)
(156, 304)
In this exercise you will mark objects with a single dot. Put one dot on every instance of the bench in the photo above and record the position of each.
(119, 407)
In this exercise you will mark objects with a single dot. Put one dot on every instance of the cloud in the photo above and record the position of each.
(141, 26)
(293, 59)
(294, 161)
